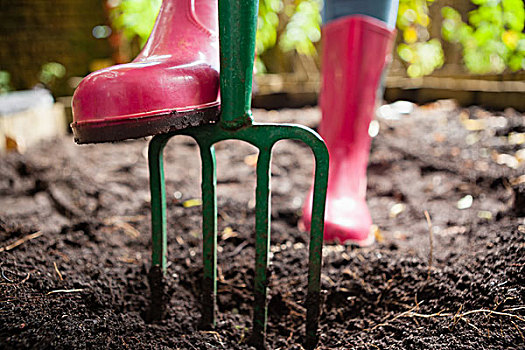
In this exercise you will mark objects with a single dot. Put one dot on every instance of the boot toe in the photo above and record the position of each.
(142, 89)
(346, 221)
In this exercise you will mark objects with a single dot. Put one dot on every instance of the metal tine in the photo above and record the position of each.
(237, 22)
(158, 201)
(206, 137)
(159, 227)
(262, 243)
(209, 231)
(315, 256)
(263, 219)
(159, 230)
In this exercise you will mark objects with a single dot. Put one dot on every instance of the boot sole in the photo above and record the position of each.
(141, 126)
(367, 242)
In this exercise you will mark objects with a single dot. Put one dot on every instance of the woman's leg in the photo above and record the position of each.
(383, 10)
(357, 39)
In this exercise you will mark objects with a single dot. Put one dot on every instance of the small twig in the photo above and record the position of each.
(436, 314)
(431, 239)
(296, 306)
(490, 312)
(134, 218)
(471, 325)
(21, 241)
(57, 271)
(215, 334)
(456, 317)
(190, 344)
(519, 330)
(515, 308)
(16, 283)
(5, 277)
(116, 222)
(65, 291)
(289, 336)
(240, 247)
(449, 314)
(209, 332)
(25, 279)
(384, 323)
(410, 313)
(60, 254)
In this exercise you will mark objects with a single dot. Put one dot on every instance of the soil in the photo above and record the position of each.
(75, 242)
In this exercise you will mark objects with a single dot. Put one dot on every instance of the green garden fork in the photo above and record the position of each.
(237, 22)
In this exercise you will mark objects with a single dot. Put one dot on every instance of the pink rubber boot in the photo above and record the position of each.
(355, 50)
(173, 83)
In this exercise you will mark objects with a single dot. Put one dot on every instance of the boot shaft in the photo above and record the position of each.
(182, 28)
(355, 50)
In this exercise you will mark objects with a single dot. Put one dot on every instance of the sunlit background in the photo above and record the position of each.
(50, 43)
(469, 50)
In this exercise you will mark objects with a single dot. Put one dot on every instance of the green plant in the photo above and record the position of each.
(493, 38)
(267, 23)
(290, 24)
(5, 82)
(421, 55)
(303, 28)
(51, 72)
(134, 18)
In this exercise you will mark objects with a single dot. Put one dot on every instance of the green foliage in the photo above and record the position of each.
(493, 38)
(134, 18)
(5, 82)
(303, 29)
(301, 32)
(267, 23)
(303, 22)
(422, 55)
(51, 72)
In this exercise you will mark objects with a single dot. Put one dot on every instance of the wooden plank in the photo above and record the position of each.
(24, 129)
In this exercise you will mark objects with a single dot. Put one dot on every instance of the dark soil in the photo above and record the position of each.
(81, 282)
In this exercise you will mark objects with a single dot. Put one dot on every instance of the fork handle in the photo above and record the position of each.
(237, 30)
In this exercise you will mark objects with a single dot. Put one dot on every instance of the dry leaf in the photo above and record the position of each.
(195, 202)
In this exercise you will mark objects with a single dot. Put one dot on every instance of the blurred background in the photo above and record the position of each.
(469, 50)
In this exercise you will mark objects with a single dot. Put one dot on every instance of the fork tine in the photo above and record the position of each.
(313, 299)
(158, 201)
(158, 224)
(263, 136)
(209, 230)
(262, 241)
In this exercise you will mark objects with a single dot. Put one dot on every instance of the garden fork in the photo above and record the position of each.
(237, 23)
